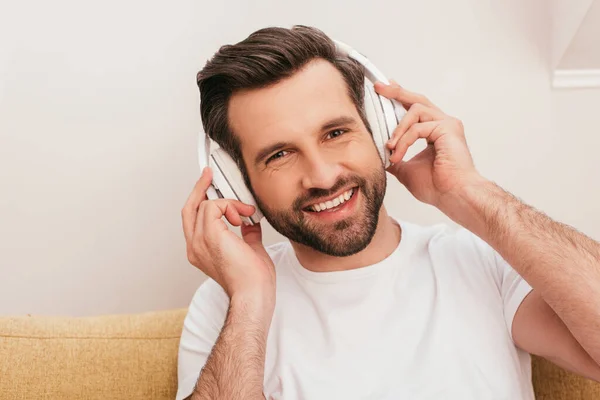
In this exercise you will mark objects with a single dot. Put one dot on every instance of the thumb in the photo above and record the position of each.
(399, 171)
(252, 234)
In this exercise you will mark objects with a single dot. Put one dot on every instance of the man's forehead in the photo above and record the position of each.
(295, 106)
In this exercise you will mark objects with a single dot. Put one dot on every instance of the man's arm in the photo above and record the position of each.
(537, 329)
(235, 367)
(561, 264)
(242, 267)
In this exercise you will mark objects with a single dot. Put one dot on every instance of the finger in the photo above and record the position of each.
(405, 105)
(416, 113)
(199, 192)
(190, 209)
(231, 209)
(400, 94)
(423, 130)
(210, 213)
(242, 208)
(252, 235)
(412, 172)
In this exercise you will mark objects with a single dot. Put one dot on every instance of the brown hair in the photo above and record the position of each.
(264, 58)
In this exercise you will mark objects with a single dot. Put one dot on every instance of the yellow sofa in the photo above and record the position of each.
(135, 357)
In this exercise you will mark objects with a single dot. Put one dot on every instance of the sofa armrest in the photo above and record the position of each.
(105, 357)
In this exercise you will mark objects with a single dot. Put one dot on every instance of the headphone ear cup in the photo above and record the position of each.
(204, 146)
(228, 180)
(388, 111)
(376, 118)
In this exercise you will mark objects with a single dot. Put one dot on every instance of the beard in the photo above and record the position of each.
(342, 238)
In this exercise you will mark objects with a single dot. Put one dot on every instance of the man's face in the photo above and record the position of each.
(306, 149)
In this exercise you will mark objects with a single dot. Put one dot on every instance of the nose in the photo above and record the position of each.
(322, 171)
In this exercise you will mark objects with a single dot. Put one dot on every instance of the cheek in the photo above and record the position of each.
(277, 191)
(362, 154)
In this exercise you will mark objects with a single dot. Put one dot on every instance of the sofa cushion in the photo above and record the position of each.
(554, 383)
(135, 357)
(106, 357)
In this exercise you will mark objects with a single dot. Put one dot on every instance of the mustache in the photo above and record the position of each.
(316, 193)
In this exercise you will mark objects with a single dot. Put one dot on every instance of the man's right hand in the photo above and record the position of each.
(241, 266)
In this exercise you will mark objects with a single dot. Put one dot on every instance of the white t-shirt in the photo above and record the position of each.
(431, 321)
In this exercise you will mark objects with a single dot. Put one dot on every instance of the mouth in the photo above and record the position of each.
(334, 204)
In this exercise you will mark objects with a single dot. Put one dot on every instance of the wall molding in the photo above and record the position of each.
(576, 78)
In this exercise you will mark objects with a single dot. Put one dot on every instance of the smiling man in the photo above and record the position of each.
(359, 304)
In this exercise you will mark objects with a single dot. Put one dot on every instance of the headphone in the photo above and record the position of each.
(382, 114)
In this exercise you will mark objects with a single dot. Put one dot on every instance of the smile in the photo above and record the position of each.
(341, 199)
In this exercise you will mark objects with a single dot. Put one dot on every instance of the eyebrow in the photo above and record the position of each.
(336, 122)
(333, 123)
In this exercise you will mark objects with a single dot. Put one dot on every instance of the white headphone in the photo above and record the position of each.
(382, 114)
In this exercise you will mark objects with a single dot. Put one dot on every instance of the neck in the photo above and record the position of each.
(385, 240)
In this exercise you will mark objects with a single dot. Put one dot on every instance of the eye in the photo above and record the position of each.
(336, 133)
(278, 155)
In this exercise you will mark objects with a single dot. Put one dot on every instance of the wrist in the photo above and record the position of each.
(470, 204)
(257, 306)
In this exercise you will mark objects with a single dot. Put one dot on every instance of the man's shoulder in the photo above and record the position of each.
(427, 233)
(444, 237)
(452, 246)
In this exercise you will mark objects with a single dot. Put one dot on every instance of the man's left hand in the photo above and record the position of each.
(442, 169)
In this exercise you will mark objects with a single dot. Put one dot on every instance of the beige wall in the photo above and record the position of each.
(567, 16)
(99, 115)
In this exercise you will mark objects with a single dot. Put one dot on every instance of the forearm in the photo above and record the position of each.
(235, 367)
(560, 263)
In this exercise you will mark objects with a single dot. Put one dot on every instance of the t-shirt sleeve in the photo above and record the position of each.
(201, 328)
(512, 287)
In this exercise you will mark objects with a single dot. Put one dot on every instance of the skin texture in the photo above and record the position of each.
(558, 320)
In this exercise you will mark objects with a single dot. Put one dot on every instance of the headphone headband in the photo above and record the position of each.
(371, 71)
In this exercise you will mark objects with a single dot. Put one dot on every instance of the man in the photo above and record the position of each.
(360, 305)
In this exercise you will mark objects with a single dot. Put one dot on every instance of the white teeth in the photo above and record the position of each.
(342, 198)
